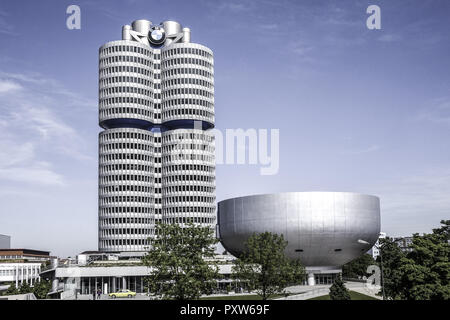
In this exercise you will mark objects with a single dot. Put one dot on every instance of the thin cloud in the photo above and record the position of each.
(5, 27)
(7, 86)
(416, 202)
(368, 149)
(437, 112)
(389, 38)
(34, 131)
(233, 6)
(36, 175)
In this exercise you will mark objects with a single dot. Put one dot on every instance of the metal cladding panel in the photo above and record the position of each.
(322, 228)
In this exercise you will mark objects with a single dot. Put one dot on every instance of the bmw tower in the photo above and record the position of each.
(156, 152)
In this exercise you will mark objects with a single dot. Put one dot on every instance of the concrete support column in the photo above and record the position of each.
(114, 284)
(311, 279)
(55, 284)
(124, 283)
(17, 276)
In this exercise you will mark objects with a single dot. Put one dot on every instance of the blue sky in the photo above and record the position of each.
(358, 110)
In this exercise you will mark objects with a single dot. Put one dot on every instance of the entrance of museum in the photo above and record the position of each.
(325, 278)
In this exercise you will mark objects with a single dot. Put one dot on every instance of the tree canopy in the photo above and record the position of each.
(264, 267)
(421, 274)
(182, 262)
(358, 267)
(42, 288)
(338, 291)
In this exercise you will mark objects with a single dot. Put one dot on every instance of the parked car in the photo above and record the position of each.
(125, 293)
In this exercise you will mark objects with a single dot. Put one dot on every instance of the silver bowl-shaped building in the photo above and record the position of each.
(324, 229)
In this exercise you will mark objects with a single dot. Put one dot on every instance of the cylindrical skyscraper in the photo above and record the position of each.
(156, 155)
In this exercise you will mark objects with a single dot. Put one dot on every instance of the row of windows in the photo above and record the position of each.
(180, 103)
(184, 198)
(199, 92)
(186, 50)
(124, 242)
(110, 111)
(187, 147)
(108, 135)
(125, 68)
(194, 81)
(184, 71)
(125, 188)
(188, 157)
(126, 231)
(184, 178)
(171, 136)
(128, 220)
(127, 79)
(189, 188)
(126, 48)
(104, 102)
(125, 177)
(203, 220)
(208, 210)
(189, 167)
(126, 156)
(178, 61)
(136, 90)
(106, 110)
(126, 166)
(30, 271)
(125, 145)
(115, 209)
(185, 112)
(106, 61)
(115, 199)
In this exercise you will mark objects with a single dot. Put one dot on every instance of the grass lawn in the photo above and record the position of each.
(353, 295)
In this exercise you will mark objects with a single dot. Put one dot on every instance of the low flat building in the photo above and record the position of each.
(110, 273)
(20, 266)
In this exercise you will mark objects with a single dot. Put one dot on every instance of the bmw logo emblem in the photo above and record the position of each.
(156, 35)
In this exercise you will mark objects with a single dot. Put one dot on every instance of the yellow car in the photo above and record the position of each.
(125, 293)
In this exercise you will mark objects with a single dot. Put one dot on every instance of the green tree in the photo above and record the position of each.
(421, 274)
(264, 266)
(12, 290)
(391, 257)
(25, 288)
(358, 267)
(182, 262)
(42, 288)
(338, 291)
(426, 269)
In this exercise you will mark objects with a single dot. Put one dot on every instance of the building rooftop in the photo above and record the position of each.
(23, 251)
